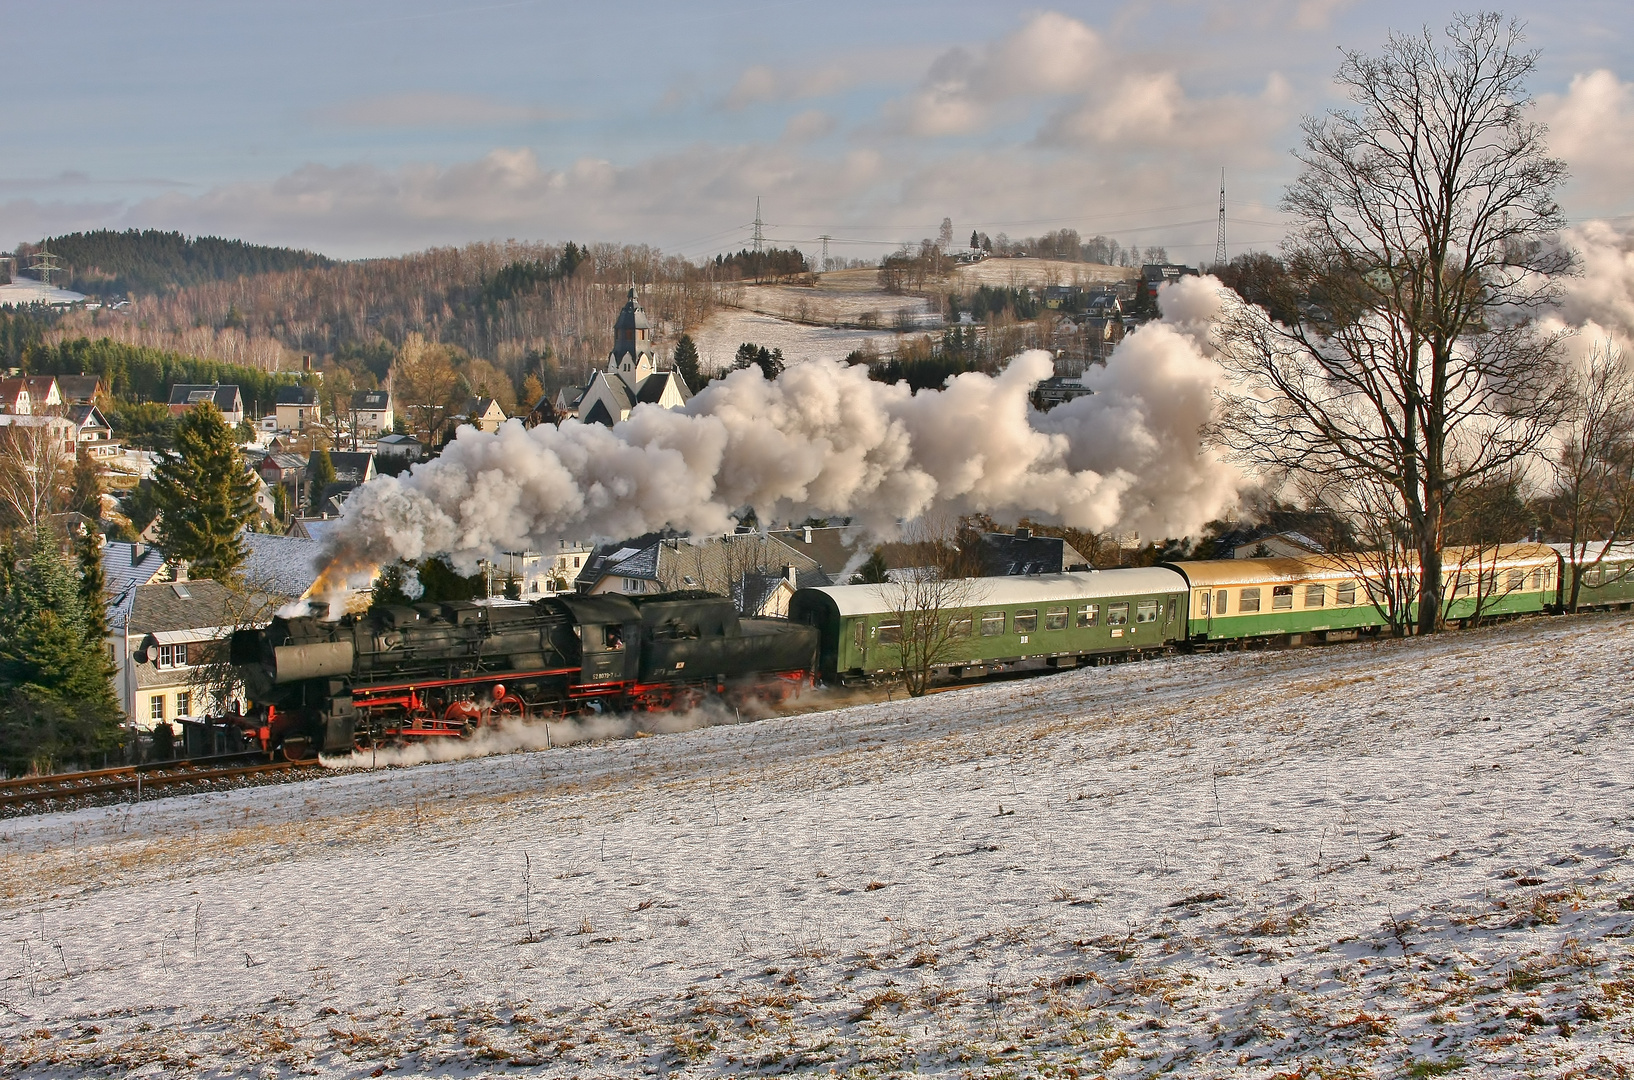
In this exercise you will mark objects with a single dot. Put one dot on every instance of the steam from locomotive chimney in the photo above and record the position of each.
(824, 440)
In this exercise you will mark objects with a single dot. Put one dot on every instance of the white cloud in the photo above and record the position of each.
(432, 110)
(763, 83)
(1143, 109)
(808, 125)
(1050, 54)
(1591, 127)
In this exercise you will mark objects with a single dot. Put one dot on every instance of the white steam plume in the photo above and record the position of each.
(824, 440)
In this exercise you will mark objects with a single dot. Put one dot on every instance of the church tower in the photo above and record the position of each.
(632, 358)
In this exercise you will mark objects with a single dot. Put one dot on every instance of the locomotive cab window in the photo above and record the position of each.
(1026, 620)
(1146, 611)
(1117, 614)
(1089, 614)
(1055, 619)
(613, 637)
(992, 623)
(1282, 597)
(1248, 600)
(1316, 595)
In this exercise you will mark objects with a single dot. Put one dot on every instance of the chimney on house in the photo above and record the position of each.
(138, 552)
(306, 363)
(181, 570)
(791, 574)
(808, 534)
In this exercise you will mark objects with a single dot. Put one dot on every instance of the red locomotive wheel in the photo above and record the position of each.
(506, 708)
(298, 750)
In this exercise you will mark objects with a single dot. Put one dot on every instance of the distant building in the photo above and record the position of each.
(759, 573)
(1058, 389)
(1018, 553)
(296, 407)
(79, 389)
(59, 430)
(482, 413)
(540, 573)
(184, 396)
(43, 394)
(15, 398)
(632, 377)
(394, 453)
(371, 412)
(91, 429)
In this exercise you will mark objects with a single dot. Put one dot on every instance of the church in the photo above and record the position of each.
(633, 375)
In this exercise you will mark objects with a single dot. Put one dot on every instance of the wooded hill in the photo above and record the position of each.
(108, 263)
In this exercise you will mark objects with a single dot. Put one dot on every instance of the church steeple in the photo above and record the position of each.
(632, 357)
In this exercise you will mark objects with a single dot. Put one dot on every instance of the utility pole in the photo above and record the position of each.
(45, 264)
(760, 228)
(825, 238)
(1220, 236)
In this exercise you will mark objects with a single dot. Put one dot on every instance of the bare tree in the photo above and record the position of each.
(1593, 496)
(36, 467)
(932, 602)
(425, 382)
(1421, 249)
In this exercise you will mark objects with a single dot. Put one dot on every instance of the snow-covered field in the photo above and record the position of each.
(721, 334)
(1398, 859)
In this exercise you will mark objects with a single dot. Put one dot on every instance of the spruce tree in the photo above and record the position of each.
(205, 495)
(321, 474)
(686, 363)
(93, 585)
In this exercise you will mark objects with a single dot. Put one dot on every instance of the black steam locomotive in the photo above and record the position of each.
(442, 670)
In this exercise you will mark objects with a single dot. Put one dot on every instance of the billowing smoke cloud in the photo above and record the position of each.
(824, 440)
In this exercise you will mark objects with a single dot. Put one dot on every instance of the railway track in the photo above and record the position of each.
(37, 794)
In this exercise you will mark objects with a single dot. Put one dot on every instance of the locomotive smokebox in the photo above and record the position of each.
(293, 663)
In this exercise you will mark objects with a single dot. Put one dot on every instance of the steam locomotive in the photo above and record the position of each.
(430, 671)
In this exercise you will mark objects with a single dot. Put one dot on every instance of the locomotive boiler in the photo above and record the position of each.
(427, 671)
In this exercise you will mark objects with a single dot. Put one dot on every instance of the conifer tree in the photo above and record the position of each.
(322, 474)
(205, 495)
(93, 585)
(686, 363)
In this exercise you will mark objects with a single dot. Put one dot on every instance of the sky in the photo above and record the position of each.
(373, 128)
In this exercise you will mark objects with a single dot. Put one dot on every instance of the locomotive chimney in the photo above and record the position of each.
(1023, 533)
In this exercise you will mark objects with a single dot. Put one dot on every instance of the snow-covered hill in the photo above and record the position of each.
(1407, 858)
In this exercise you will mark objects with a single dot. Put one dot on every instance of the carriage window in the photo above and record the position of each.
(1146, 611)
(860, 634)
(890, 633)
(1055, 619)
(1220, 602)
(1489, 582)
(1117, 614)
(1282, 597)
(1537, 579)
(1515, 579)
(1346, 593)
(992, 623)
(1248, 601)
(1089, 614)
(960, 626)
(1466, 582)
(1316, 595)
(1026, 620)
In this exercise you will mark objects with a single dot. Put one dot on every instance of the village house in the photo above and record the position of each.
(44, 394)
(91, 430)
(160, 641)
(394, 453)
(759, 573)
(482, 413)
(371, 413)
(295, 408)
(79, 389)
(184, 396)
(633, 375)
(539, 573)
(14, 397)
(56, 431)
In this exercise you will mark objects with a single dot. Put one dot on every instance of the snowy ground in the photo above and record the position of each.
(1401, 859)
(721, 334)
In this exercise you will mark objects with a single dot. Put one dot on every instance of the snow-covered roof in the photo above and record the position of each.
(1005, 591)
(280, 564)
(1622, 551)
(1229, 572)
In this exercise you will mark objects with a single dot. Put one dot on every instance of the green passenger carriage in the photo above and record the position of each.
(1607, 572)
(1001, 623)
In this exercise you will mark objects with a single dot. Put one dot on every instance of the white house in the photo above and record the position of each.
(371, 413)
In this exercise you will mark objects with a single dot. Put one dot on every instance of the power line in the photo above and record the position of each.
(760, 227)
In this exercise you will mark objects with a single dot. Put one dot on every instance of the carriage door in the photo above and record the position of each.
(1200, 604)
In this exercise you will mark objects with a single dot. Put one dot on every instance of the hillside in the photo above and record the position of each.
(1397, 859)
(108, 263)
